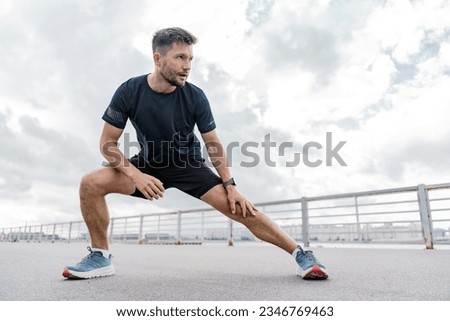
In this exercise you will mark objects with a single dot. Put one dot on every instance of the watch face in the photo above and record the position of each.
(230, 182)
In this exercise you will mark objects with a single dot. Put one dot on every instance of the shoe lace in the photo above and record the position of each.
(89, 256)
(309, 257)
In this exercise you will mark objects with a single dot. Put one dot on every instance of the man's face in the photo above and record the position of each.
(176, 64)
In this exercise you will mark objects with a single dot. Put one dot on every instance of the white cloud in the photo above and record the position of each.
(376, 74)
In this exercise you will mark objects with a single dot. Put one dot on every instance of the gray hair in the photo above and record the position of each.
(165, 38)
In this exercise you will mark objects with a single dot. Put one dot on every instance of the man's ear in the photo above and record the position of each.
(157, 59)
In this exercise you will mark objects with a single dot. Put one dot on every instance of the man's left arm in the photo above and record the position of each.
(218, 158)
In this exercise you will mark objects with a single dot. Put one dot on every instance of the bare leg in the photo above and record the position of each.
(261, 225)
(93, 189)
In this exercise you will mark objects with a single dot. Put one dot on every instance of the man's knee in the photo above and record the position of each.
(91, 185)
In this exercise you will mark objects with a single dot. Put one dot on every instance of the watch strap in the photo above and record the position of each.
(229, 182)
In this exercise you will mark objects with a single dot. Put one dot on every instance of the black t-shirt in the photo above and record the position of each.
(164, 123)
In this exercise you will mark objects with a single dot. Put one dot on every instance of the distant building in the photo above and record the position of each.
(31, 237)
(159, 236)
(366, 233)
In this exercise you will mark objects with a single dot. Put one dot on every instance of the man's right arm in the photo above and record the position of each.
(150, 186)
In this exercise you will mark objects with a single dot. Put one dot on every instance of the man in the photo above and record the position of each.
(164, 108)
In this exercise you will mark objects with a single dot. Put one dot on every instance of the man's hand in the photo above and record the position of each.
(234, 197)
(150, 186)
(218, 157)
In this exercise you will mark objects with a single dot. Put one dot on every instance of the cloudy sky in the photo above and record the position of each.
(375, 74)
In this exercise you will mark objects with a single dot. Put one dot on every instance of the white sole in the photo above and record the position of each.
(97, 273)
(314, 272)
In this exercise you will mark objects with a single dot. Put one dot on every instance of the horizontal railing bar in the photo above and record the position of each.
(368, 193)
(388, 212)
(439, 209)
(441, 220)
(298, 200)
(355, 234)
(387, 203)
(438, 186)
(330, 207)
(361, 205)
(284, 211)
(315, 232)
(331, 215)
(363, 214)
(366, 223)
(439, 199)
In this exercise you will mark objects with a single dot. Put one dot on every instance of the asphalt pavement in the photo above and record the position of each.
(217, 272)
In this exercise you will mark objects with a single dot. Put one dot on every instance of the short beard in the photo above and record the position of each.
(171, 77)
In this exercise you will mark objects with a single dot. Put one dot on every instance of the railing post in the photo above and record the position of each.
(158, 231)
(203, 226)
(111, 231)
(54, 233)
(124, 238)
(305, 222)
(29, 234)
(141, 228)
(425, 216)
(70, 232)
(230, 234)
(179, 228)
(358, 225)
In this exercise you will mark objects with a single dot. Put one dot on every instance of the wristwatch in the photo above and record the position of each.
(229, 182)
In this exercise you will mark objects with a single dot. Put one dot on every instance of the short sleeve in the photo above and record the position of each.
(203, 116)
(117, 112)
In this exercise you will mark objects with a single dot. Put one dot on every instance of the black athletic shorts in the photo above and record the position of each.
(192, 177)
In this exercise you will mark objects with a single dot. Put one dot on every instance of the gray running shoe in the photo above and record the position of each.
(91, 266)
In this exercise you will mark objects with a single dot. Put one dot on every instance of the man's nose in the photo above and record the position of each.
(187, 65)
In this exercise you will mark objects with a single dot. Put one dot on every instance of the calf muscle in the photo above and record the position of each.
(261, 225)
(93, 189)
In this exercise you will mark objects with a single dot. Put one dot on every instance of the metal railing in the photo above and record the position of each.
(410, 215)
